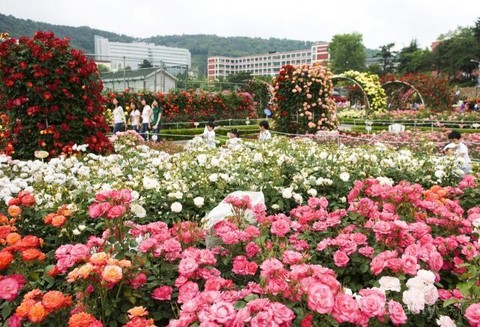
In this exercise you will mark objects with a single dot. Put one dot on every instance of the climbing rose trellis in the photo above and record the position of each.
(302, 100)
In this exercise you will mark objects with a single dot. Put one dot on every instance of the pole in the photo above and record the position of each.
(124, 75)
(186, 77)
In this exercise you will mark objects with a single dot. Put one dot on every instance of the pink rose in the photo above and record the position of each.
(366, 251)
(239, 265)
(397, 315)
(410, 265)
(116, 211)
(262, 319)
(15, 321)
(291, 257)
(252, 249)
(340, 258)
(269, 266)
(187, 292)
(162, 293)
(320, 298)
(345, 309)
(257, 305)
(280, 227)
(281, 314)
(79, 252)
(97, 210)
(377, 265)
(372, 302)
(222, 312)
(9, 288)
(139, 280)
(187, 267)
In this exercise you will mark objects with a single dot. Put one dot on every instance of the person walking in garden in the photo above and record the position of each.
(157, 120)
(147, 114)
(264, 132)
(119, 120)
(461, 150)
(134, 117)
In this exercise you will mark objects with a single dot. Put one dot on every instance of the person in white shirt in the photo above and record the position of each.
(147, 114)
(461, 151)
(119, 120)
(264, 134)
(209, 135)
(233, 142)
(134, 117)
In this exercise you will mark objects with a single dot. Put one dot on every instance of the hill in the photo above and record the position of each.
(200, 46)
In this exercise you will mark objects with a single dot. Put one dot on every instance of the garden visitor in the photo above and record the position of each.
(147, 114)
(264, 132)
(157, 120)
(119, 120)
(134, 117)
(234, 141)
(449, 149)
(209, 135)
(461, 151)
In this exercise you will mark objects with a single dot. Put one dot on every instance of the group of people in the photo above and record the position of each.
(149, 119)
(457, 148)
(233, 140)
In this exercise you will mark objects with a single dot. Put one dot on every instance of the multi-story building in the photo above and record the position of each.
(131, 55)
(265, 64)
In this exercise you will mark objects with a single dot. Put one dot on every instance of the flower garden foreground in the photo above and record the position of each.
(361, 236)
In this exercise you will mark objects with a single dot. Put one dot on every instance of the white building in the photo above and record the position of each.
(265, 64)
(147, 79)
(133, 54)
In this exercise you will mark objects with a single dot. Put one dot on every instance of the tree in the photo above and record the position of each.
(102, 68)
(413, 59)
(145, 64)
(388, 58)
(347, 53)
(375, 69)
(453, 55)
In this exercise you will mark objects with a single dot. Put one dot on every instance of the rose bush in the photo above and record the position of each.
(51, 95)
(302, 99)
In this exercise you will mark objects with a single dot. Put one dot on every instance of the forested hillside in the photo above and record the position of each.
(201, 46)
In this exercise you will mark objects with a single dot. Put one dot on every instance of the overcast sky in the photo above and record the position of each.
(379, 21)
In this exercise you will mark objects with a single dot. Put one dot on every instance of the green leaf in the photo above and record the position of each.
(240, 305)
(449, 302)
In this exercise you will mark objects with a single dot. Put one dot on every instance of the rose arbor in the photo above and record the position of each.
(302, 99)
(51, 97)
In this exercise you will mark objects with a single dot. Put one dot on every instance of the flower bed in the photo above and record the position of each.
(117, 240)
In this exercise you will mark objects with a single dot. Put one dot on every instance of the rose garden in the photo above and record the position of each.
(356, 228)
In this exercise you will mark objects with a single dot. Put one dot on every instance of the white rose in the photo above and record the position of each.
(138, 210)
(414, 300)
(344, 176)
(287, 193)
(313, 192)
(176, 207)
(298, 198)
(150, 183)
(415, 282)
(388, 283)
(213, 178)
(275, 206)
(445, 321)
(199, 201)
(178, 195)
(202, 159)
(426, 276)
(439, 173)
(431, 294)
(215, 162)
(76, 232)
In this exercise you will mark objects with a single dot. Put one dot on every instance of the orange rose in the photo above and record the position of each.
(137, 312)
(5, 259)
(4, 231)
(48, 218)
(24, 308)
(13, 238)
(58, 221)
(14, 211)
(28, 200)
(63, 210)
(112, 274)
(99, 258)
(81, 319)
(54, 300)
(33, 254)
(3, 219)
(30, 241)
(37, 313)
